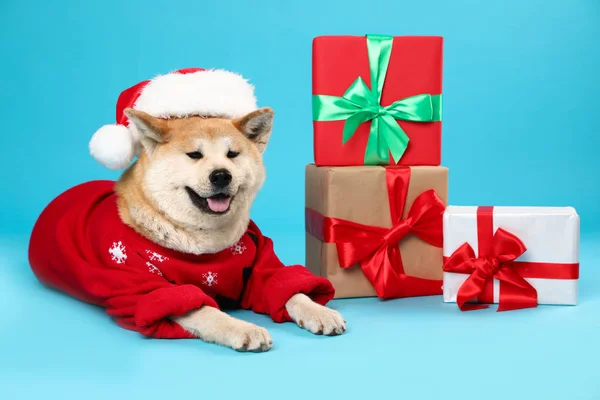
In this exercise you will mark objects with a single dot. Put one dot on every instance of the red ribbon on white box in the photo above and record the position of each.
(496, 259)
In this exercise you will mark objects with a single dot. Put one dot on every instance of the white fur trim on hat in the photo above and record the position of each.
(114, 146)
(211, 93)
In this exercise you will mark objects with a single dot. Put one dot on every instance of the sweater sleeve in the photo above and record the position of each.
(272, 284)
(140, 298)
(148, 311)
(136, 298)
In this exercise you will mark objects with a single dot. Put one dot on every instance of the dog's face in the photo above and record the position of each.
(203, 173)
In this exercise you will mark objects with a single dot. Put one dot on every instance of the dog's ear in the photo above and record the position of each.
(257, 126)
(152, 130)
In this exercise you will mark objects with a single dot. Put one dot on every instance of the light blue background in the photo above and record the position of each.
(521, 105)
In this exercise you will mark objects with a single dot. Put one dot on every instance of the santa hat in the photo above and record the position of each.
(186, 92)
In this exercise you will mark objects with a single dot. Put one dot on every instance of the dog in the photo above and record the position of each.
(171, 243)
(212, 212)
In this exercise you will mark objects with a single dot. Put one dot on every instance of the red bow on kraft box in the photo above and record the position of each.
(497, 257)
(376, 248)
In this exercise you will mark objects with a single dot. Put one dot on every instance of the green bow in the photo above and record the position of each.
(360, 104)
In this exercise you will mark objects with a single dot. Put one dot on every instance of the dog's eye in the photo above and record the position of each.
(196, 155)
(232, 154)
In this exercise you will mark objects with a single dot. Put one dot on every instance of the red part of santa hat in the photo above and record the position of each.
(182, 93)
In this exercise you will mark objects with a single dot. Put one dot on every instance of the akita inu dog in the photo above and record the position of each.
(171, 243)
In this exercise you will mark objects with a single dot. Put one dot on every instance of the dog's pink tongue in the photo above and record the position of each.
(218, 205)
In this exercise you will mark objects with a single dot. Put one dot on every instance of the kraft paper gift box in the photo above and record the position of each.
(515, 256)
(376, 231)
(377, 100)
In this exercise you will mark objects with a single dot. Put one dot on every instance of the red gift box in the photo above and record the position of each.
(415, 68)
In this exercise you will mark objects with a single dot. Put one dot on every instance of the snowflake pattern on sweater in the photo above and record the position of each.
(154, 256)
(153, 269)
(117, 252)
(210, 278)
(238, 248)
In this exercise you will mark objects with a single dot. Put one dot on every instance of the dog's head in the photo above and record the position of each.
(202, 173)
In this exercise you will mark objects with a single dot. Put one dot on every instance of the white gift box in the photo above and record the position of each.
(550, 235)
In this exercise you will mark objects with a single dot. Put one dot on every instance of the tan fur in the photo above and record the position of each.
(153, 201)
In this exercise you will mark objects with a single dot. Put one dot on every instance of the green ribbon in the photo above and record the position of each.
(360, 104)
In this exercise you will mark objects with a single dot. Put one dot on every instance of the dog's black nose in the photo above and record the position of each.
(220, 177)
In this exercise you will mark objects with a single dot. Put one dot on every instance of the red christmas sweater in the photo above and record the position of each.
(79, 245)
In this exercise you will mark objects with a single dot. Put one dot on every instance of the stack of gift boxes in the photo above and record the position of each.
(377, 219)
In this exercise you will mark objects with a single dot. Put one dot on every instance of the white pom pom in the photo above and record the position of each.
(113, 146)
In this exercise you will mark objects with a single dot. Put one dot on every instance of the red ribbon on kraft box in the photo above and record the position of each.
(497, 254)
(376, 248)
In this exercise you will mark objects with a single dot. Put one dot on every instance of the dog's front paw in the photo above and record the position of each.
(314, 317)
(321, 320)
(245, 336)
(214, 326)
